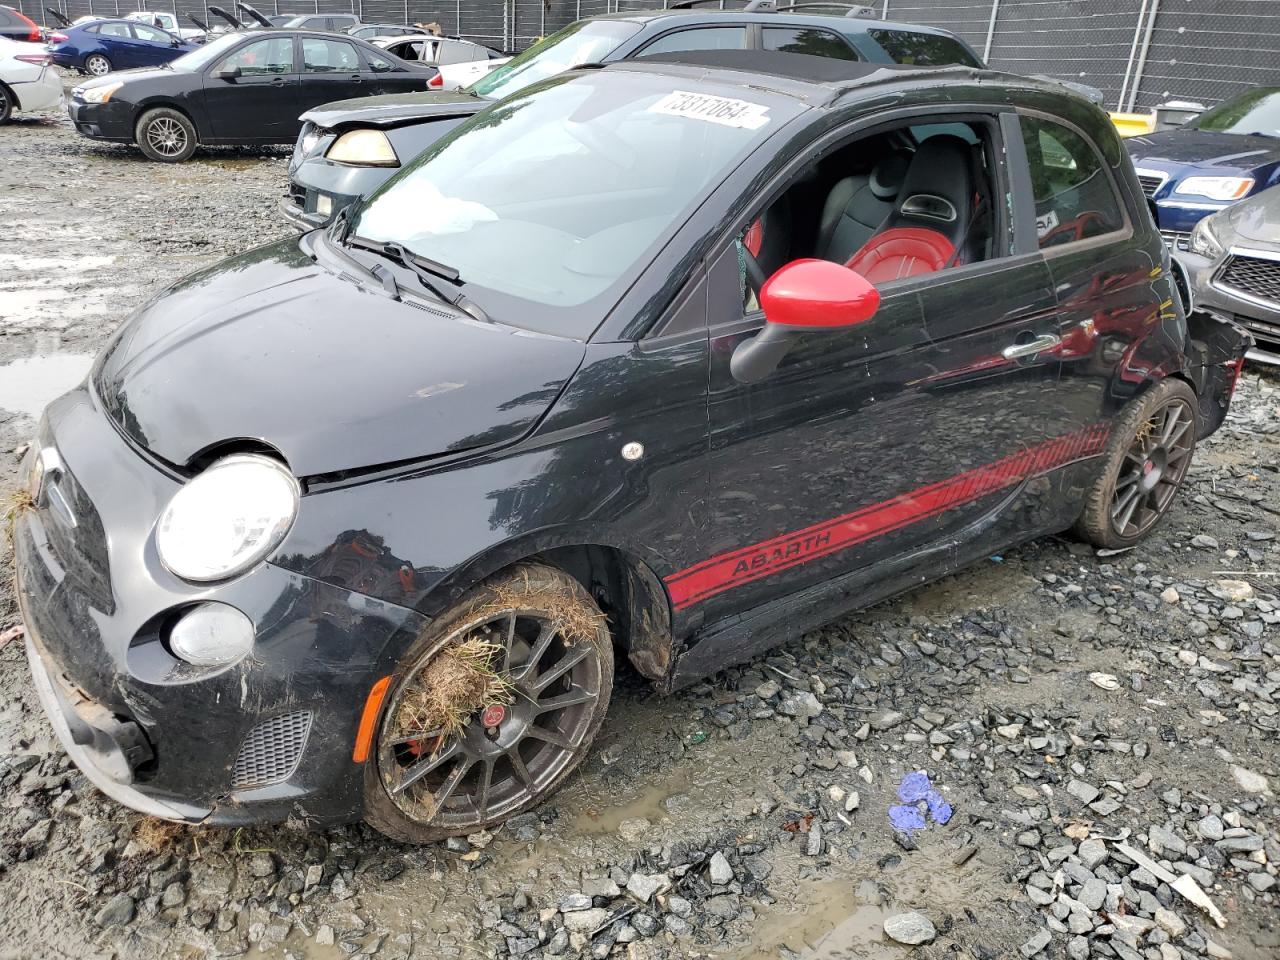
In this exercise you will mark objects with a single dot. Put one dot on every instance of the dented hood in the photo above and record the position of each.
(271, 347)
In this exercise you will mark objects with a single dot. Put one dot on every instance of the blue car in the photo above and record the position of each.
(101, 46)
(1224, 155)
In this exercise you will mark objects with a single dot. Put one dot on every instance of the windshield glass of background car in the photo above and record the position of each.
(587, 41)
(550, 202)
(1257, 111)
(202, 56)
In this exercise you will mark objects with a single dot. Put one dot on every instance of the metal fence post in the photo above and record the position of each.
(884, 14)
(1133, 52)
(991, 30)
(1142, 55)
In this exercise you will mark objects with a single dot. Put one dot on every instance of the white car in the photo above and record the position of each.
(460, 62)
(28, 80)
(166, 21)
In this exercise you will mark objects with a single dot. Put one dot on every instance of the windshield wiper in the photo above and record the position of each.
(424, 268)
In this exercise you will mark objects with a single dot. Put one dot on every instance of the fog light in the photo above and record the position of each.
(324, 205)
(212, 635)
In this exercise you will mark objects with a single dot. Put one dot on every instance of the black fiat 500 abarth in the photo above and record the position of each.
(358, 524)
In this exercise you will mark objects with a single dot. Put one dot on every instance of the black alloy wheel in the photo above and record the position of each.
(506, 756)
(1146, 460)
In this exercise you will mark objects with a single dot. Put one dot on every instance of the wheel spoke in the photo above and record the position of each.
(1176, 454)
(482, 790)
(1122, 502)
(1177, 434)
(550, 736)
(415, 772)
(1128, 479)
(451, 783)
(540, 646)
(414, 737)
(569, 699)
(572, 657)
(517, 765)
(509, 640)
(1129, 510)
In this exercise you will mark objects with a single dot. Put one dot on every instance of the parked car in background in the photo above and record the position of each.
(1222, 156)
(460, 62)
(376, 31)
(614, 371)
(347, 150)
(27, 79)
(243, 87)
(16, 25)
(101, 46)
(327, 22)
(168, 22)
(1231, 268)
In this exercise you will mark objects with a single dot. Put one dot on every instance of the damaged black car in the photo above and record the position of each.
(361, 524)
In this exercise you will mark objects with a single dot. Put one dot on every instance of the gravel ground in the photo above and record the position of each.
(1099, 733)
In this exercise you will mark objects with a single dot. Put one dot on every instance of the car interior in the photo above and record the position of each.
(896, 204)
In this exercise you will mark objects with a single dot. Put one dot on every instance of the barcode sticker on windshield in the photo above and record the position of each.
(722, 110)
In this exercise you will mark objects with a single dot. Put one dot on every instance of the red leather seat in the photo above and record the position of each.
(902, 252)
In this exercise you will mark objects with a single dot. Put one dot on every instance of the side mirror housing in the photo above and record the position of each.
(803, 296)
(228, 73)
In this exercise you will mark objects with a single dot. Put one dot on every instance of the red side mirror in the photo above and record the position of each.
(804, 295)
(818, 293)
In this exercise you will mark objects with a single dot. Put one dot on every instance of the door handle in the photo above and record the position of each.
(356, 78)
(1037, 345)
(277, 81)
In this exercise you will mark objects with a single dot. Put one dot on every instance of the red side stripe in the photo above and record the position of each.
(748, 564)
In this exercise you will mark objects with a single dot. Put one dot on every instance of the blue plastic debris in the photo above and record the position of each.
(918, 797)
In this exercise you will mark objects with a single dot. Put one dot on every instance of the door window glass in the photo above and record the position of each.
(923, 49)
(815, 43)
(378, 63)
(144, 32)
(1074, 196)
(115, 30)
(328, 56)
(262, 58)
(709, 38)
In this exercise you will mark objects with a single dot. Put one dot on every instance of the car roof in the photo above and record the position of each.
(814, 80)
(832, 20)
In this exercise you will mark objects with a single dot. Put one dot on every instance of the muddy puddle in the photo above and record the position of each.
(28, 385)
(823, 921)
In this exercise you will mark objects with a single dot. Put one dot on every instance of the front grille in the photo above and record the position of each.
(1175, 239)
(1254, 276)
(1151, 182)
(272, 750)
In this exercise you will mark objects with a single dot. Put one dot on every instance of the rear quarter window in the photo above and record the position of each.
(1075, 198)
(807, 40)
(923, 49)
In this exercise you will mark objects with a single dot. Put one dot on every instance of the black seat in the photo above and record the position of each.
(930, 223)
(856, 206)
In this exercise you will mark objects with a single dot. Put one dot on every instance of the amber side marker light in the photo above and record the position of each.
(369, 719)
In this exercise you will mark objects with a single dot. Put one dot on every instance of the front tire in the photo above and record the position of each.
(6, 104)
(96, 65)
(1147, 457)
(165, 135)
(551, 651)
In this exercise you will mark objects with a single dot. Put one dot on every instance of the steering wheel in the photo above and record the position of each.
(1071, 230)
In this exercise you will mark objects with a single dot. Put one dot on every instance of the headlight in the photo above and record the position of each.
(1216, 188)
(101, 94)
(227, 519)
(1203, 242)
(366, 148)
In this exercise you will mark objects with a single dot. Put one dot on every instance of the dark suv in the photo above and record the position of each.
(347, 149)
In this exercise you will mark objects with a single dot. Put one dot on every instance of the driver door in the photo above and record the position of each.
(260, 101)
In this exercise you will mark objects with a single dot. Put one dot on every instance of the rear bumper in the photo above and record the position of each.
(43, 93)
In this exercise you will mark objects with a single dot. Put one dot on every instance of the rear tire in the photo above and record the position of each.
(554, 654)
(6, 104)
(1146, 460)
(165, 135)
(96, 65)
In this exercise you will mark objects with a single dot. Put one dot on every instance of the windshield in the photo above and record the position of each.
(202, 56)
(1257, 112)
(550, 203)
(587, 41)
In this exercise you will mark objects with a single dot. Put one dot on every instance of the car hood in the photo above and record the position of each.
(269, 346)
(1256, 220)
(395, 108)
(128, 76)
(1224, 152)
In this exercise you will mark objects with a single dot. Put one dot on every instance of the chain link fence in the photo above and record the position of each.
(1138, 52)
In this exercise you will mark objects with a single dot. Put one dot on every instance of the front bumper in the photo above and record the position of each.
(1209, 293)
(153, 733)
(102, 121)
(314, 178)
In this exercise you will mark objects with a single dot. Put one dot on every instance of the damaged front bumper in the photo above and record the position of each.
(264, 739)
